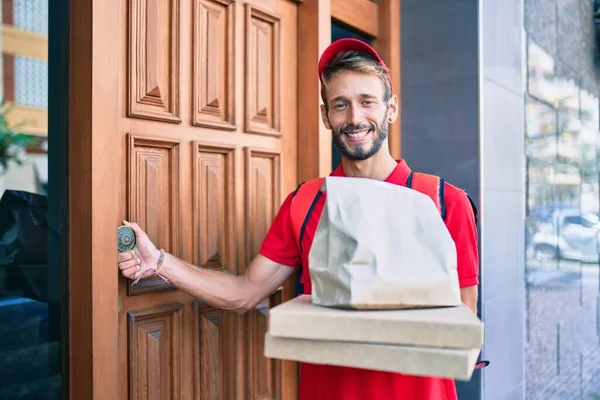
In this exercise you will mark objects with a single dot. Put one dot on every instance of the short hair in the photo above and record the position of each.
(355, 61)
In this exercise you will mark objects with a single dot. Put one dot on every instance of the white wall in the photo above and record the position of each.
(503, 196)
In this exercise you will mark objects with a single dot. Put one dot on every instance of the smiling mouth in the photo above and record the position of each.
(357, 136)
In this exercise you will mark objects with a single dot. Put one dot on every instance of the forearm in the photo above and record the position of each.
(217, 288)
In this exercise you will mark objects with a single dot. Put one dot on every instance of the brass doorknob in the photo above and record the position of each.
(125, 239)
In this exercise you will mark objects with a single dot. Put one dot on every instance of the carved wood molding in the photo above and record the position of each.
(153, 60)
(263, 371)
(214, 351)
(213, 214)
(154, 197)
(214, 64)
(263, 63)
(263, 188)
(155, 352)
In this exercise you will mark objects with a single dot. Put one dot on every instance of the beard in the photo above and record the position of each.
(358, 152)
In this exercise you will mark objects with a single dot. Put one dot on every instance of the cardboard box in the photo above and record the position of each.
(447, 327)
(410, 360)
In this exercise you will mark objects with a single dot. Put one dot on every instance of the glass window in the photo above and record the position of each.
(561, 230)
(31, 273)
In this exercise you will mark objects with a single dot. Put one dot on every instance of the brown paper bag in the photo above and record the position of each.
(381, 246)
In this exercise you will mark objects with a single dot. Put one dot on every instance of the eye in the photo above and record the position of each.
(339, 106)
(368, 102)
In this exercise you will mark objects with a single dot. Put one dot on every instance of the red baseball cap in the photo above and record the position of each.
(346, 44)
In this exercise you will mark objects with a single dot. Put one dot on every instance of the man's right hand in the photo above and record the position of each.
(134, 265)
(238, 293)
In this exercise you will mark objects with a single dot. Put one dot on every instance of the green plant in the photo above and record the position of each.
(12, 139)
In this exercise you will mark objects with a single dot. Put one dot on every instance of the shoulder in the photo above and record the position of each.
(458, 201)
(453, 193)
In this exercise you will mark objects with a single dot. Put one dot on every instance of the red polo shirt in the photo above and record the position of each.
(327, 382)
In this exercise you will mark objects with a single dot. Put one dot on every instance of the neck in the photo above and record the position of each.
(378, 167)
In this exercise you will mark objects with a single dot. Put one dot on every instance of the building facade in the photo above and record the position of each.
(502, 98)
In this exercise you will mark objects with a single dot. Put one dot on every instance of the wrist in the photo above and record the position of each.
(156, 256)
(161, 264)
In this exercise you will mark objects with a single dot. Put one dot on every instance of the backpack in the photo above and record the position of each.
(308, 193)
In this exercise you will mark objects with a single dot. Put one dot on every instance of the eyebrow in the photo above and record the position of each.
(344, 98)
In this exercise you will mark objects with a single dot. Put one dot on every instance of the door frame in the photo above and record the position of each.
(91, 114)
(58, 171)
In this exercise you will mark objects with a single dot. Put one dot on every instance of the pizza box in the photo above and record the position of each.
(409, 360)
(445, 327)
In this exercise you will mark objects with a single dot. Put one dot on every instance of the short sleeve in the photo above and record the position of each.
(279, 244)
(460, 221)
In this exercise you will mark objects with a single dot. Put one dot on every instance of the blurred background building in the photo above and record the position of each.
(500, 97)
(30, 321)
(25, 86)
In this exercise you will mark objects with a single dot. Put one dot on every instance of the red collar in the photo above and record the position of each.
(399, 175)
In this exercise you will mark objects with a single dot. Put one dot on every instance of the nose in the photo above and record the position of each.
(355, 115)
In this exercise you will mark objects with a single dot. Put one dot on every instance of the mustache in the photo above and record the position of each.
(348, 128)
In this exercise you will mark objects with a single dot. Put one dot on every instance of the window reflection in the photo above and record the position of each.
(30, 291)
(562, 228)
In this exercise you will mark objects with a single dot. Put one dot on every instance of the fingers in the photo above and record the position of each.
(134, 263)
(134, 273)
(136, 228)
(126, 256)
(129, 273)
(145, 274)
(129, 264)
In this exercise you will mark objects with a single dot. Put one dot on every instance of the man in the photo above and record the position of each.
(358, 107)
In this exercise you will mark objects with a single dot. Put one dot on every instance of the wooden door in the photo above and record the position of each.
(183, 116)
(208, 141)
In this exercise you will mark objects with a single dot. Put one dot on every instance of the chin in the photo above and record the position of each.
(363, 154)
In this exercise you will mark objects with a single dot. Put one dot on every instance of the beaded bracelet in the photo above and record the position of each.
(161, 259)
(159, 264)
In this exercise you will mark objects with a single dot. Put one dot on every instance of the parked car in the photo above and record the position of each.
(567, 234)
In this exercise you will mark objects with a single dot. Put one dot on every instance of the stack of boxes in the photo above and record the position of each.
(443, 341)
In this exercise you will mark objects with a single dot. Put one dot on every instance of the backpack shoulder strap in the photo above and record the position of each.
(432, 186)
(303, 200)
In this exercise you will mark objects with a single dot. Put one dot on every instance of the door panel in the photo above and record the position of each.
(262, 195)
(153, 196)
(208, 121)
(262, 201)
(154, 48)
(213, 202)
(262, 71)
(214, 64)
(155, 352)
(213, 333)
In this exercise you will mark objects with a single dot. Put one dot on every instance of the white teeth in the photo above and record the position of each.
(358, 134)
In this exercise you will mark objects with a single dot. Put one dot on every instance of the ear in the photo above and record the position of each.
(393, 109)
(324, 117)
